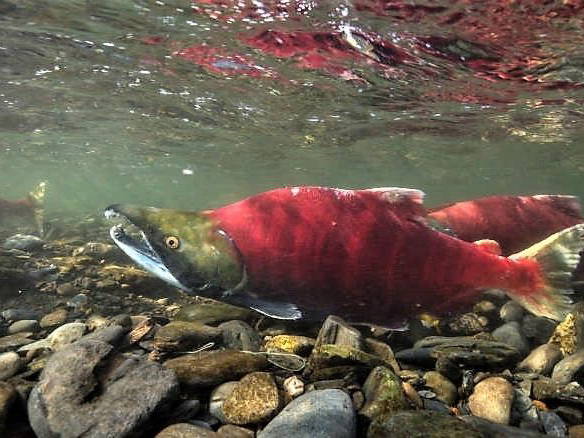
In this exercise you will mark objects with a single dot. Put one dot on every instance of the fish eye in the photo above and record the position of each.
(172, 242)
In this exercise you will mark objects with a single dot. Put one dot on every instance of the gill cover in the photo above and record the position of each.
(186, 249)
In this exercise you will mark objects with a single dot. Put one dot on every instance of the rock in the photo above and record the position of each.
(384, 395)
(569, 334)
(95, 322)
(231, 431)
(569, 369)
(321, 413)
(541, 360)
(338, 356)
(336, 331)
(467, 352)
(214, 312)
(99, 250)
(495, 430)
(186, 410)
(239, 335)
(545, 389)
(570, 414)
(511, 311)
(444, 389)
(486, 308)
(59, 338)
(66, 290)
(184, 336)
(24, 242)
(54, 319)
(10, 364)
(383, 351)
(210, 368)
(293, 387)
(24, 325)
(113, 334)
(301, 345)
(510, 333)
(576, 431)
(12, 342)
(253, 400)
(218, 397)
(467, 324)
(553, 424)
(8, 396)
(492, 399)
(186, 430)
(421, 424)
(123, 319)
(64, 402)
(537, 329)
(523, 409)
(18, 314)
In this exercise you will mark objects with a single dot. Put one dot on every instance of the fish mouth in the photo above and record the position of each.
(134, 242)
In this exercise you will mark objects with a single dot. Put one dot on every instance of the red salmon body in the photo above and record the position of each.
(363, 254)
(515, 222)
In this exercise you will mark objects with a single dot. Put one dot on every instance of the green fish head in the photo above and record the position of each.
(186, 249)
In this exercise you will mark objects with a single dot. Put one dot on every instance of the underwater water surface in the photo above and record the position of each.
(196, 104)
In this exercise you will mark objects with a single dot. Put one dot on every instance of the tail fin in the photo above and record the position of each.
(37, 201)
(557, 257)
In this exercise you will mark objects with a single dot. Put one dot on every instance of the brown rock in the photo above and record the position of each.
(211, 368)
(182, 335)
(231, 431)
(492, 399)
(54, 319)
(253, 400)
(186, 430)
(444, 389)
(542, 359)
(576, 431)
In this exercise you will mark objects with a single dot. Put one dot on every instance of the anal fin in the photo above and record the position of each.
(273, 309)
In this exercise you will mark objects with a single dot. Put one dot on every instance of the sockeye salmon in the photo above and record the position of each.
(29, 210)
(365, 255)
(515, 222)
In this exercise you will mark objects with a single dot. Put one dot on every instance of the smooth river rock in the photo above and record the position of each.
(570, 368)
(10, 364)
(317, 414)
(541, 360)
(492, 399)
(65, 403)
(254, 399)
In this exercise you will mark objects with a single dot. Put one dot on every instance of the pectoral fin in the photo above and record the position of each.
(273, 309)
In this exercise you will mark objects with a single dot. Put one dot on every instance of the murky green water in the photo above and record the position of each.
(95, 99)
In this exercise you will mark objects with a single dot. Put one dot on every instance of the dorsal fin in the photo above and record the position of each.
(567, 203)
(408, 201)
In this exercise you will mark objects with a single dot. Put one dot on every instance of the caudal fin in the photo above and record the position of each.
(37, 201)
(557, 258)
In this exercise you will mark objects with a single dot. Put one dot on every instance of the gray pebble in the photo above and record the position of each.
(18, 314)
(317, 414)
(218, 397)
(510, 333)
(24, 242)
(511, 311)
(553, 424)
(239, 335)
(569, 368)
(24, 325)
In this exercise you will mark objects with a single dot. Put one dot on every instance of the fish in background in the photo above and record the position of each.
(29, 211)
(514, 222)
(366, 255)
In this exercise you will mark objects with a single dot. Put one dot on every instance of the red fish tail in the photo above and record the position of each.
(544, 273)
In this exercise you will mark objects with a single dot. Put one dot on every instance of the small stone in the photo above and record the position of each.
(553, 424)
(412, 395)
(231, 431)
(384, 395)
(184, 336)
(570, 368)
(576, 431)
(444, 389)
(383, 351)
(511, 311)
(13, 342)
(186, 430)
(492, 399)
(239, 335)
(95, 322)
(332, 356)
(253, 400)
(492, 430)
(54, 319)
(293, 387)
(10, 364)
(122, 319)
(211, 368)
(66, 334)
(66, 290)
(426, 424)
(24, 242)
(214, 312)
(570, 414)
(300, 345)
(335, 331)
(320, 413)
(467, 324)
(510, 333)
(218, 397)
(485, 307)
(537, 329)
(541, 360)
(24, 325)
(18, 314)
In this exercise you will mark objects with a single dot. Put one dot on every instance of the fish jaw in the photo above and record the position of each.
(142, 253)
(204, 260)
